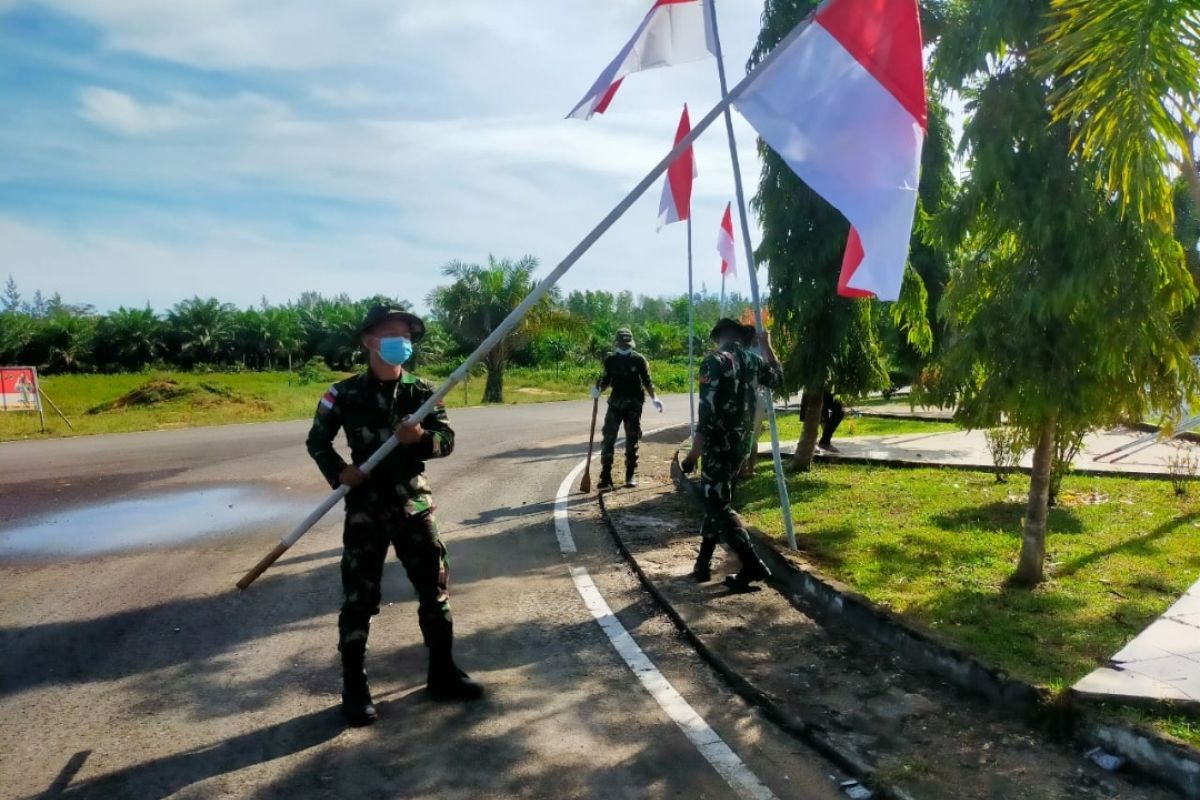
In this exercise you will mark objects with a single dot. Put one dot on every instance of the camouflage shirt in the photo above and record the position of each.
(729, 380)
(629, 377)
(368, 410)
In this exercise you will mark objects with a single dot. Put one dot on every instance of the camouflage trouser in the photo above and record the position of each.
(721, 522)
(373, 523)
(631, 417)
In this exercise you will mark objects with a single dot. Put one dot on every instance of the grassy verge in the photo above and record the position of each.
(937, 545)
(789, 427)
(161, 400)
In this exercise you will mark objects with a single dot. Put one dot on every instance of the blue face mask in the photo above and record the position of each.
(395, 350)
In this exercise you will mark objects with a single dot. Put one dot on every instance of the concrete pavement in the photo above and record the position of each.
(969, 448)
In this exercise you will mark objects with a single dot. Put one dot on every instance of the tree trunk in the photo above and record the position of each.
(802, 460)
(1030, 570)
(493, 392)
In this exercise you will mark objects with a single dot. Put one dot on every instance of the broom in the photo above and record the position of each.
(585, 485)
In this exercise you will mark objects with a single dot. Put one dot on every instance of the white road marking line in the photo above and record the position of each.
(562, 527)
(707, 741)
(722, 758)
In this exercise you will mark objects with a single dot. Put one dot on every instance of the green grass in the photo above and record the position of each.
(223, 398)
(789, 427)
(937, 545)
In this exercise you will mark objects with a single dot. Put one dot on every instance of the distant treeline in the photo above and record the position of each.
(57, 336)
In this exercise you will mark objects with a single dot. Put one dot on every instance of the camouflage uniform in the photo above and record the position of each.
(629, 377)
(729, 382)
(394, 507)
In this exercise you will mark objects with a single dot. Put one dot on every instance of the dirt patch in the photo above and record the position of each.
(913, 729)
(159, 392)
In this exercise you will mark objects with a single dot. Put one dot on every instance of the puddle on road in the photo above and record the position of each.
(166, 519)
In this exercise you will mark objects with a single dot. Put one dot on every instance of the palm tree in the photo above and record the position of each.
(202, 330)
(478, 301)
(1127, 72)
(130, 338)
(283, 334)
(63, 342)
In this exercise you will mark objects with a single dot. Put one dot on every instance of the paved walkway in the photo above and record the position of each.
(1162, 662)
(970, 448)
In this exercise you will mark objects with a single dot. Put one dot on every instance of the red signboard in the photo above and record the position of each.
(19, 389)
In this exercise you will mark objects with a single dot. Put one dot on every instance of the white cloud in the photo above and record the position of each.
(119, 112)
(399, 143)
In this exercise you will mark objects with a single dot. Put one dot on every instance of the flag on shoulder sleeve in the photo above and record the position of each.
(676, 204)
(844, 106)
(725, 245)
(328, 399)
(672, 32)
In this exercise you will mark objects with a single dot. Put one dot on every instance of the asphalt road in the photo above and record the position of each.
(131, 667)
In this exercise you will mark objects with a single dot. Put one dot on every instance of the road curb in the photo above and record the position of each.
(808, 733)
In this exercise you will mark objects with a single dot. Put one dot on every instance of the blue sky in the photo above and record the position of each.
(151, 151)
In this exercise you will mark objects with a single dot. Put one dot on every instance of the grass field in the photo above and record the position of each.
(937, 545)
(163, 400)
(789, 427)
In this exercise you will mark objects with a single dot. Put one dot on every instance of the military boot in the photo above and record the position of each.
(606, 481)
(356, 694)
(753, 569)
(702, 572)
(630, 479)
(446, 681)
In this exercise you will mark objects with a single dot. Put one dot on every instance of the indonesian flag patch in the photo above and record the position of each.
(327, 400)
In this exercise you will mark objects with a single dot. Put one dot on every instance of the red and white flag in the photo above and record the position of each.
(676, 203)
(844, 106)
(673, 32)
(725, 245)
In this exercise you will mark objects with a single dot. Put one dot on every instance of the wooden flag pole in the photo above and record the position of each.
(518, 313)
(784, 502)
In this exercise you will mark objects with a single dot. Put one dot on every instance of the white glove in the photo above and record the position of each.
(657, 404)
(595, 392)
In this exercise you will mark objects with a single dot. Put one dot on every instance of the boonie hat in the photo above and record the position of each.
(380, 313)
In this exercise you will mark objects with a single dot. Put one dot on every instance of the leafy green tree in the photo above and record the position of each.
(1062, 310)
(1127, 78)
(129, 338)
(479, 299)
(12, 296)
(16, 331)
(202, 331)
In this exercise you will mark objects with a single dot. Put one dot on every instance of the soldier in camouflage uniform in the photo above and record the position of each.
(628, 373)
(729, 379)
(393, 506)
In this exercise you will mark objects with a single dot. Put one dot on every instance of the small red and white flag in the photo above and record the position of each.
(725, 245)
(676, 203)
(844, 106)
(672, 32)
(328, 400)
